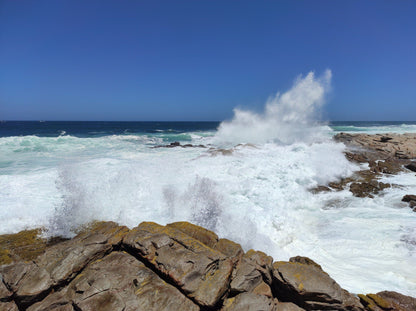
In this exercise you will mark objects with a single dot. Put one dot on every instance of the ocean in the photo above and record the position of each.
(60, 175)
(247, 178)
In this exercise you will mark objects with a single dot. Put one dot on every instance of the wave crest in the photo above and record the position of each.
(287, 118)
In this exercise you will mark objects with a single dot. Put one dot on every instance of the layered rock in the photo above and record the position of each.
(179, 266)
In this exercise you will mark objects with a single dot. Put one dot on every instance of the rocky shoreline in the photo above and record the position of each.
(381, 154)
(179, 266)
(182, 266)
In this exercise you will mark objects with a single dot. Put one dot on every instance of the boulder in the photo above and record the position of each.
(201, 272)
(387, 300)
(60, 263)
(308, 286)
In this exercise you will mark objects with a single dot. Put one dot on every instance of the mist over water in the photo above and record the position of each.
(256, 192)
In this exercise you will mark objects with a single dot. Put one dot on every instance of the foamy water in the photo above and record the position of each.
(257, 194)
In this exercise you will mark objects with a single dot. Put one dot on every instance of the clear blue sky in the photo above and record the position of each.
(197, 60)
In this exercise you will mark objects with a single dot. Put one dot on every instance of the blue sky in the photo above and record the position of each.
(197, 60)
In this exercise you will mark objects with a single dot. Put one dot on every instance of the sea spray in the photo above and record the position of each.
(256, 194)
(287, 117)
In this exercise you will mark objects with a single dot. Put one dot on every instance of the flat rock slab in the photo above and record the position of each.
(198, 270)
(117, 282)
(401, 146)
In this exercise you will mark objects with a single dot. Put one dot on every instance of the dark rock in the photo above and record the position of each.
(320, 188)
(411, 166)
(367, 189)
(199, 271)
(384, 139)
(310, 287)
(409, 197)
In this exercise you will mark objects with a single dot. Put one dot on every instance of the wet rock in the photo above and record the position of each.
(411, 166)
(178, 144)
(409, 198)
(367, 189)
(198, 270)
(251, 302)
(387, 300)
(308, 286)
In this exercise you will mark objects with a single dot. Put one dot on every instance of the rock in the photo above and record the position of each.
(388, 301)
(8, 306)
(253, 274)
(367, 189)
(201, 234)
(5, 294)
(305, 261)
(251, 302)
(408, 198)
(123, 283)
(308, 286)
(25, 245)
(230, 249)
(198, 270)
(411, 166)
(389, 166)
(61, 262)
(384, 139)
(178, 144)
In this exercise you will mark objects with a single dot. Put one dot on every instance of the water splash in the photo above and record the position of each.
(287, 118)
